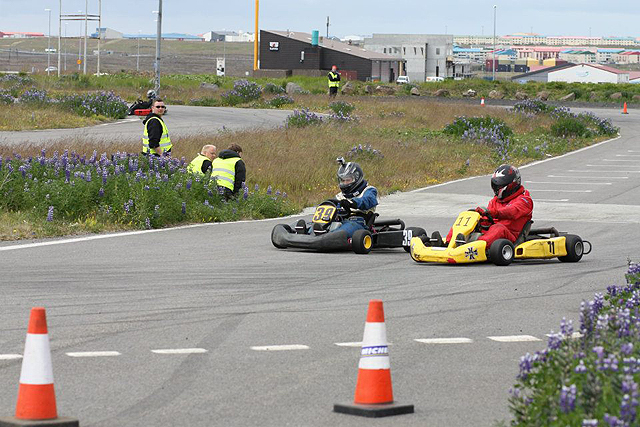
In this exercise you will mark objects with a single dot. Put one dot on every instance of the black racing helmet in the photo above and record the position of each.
(350, 176)
(505, 181)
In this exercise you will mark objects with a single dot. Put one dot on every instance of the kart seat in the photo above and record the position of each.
(522, 237)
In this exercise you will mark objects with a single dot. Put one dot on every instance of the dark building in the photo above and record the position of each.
(287, 50)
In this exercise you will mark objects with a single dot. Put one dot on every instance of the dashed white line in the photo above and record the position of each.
(627, 155)
(280, 347)
(568, 183)
(10, 356)
(633, 151)
(619, 160)
(515, 338)
(608, 166)
(561, 191)
(552, 200)
(587, 177)
(444, 340)
(179, 351)
(93, 354)
(349, 344)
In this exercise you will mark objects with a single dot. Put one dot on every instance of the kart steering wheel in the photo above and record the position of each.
(488, 218)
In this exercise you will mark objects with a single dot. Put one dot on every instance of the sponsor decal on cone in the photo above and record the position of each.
(374, 392)
(36, 396)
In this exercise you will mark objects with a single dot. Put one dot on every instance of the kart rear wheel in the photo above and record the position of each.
(362, 242)
(575, 249)
(273, 232)
(415, 232)
(501, 252)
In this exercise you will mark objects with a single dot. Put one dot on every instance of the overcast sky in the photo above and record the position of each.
(547, 17)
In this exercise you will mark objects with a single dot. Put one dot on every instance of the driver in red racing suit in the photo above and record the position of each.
(510, 209)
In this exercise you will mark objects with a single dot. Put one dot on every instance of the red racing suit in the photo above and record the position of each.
(510, 215)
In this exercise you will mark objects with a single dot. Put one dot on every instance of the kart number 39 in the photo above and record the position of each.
(324, 214)
(407, 235)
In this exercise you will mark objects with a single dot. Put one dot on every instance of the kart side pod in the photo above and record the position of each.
(470, 252)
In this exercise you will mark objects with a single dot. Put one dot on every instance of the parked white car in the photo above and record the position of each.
(402, 80)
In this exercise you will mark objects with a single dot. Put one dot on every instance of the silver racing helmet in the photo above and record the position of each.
(350, 176)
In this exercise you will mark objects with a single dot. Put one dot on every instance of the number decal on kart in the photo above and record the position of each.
(323, 214)
(407, 235)
(552, 247)
(467, 218)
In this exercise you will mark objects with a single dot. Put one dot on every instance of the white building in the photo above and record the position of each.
(228, 36)
(589, 73)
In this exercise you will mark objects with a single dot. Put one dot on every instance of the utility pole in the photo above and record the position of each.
(66, 24)
(59, 38)
(86, 24)
(255, 40)
(158, 39)
(138, 57)
(494, 41)
(49, 44)
(327, 27)
(99, 32)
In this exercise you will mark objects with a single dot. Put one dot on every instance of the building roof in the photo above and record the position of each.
(633, 75)
(12, 33)
(609, 69)
(336, 46)
(164, 36)
(543, 70)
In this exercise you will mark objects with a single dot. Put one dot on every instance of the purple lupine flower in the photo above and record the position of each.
(589, 423)
(101, 192)
(147, 223)
(612, 421)
(88, 176)
(278, 193)
(245, 193)
(184, 208)
(581, 368)
(156, 208)
(189, 184)
(599, 351)
(255, 187)
(284, 195)
(146, 188)
(269, 190)
(566, 327)
(568, 398)
(627, 348)
(50, 214)
(555, 341)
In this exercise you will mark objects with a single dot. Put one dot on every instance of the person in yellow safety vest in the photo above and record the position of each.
(334, 81)
(155, 139)
(202, 163)
(229, 171)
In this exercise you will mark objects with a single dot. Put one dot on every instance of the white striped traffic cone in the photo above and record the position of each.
(36, 396)
(374, 393)
(482, 102)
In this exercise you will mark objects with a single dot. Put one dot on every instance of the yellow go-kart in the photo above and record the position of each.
(464, 247)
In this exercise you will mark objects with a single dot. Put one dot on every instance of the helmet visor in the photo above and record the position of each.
(346, 180)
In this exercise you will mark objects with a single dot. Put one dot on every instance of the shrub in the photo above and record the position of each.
(532, 106)
(280, 100)
(206, 102)
(484, 130)
(34, 96)
(302, 118)
(272, 88)
(145, 192)
(91, 104)
(592, 379)
(5, 97)
(341, 108)
(569, 127)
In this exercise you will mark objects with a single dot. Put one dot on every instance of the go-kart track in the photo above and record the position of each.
(212, 325)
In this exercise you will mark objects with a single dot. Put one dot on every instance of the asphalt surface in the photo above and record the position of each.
(181, 120)
(224, 289)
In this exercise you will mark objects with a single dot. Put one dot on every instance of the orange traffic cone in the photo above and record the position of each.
(374, 394)
(624, 109)
(36, 396)
(482, 102)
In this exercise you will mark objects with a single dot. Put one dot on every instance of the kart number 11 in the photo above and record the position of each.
(462, 218)
(324, 214)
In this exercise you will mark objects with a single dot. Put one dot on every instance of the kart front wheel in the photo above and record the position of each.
(501, 252)
(410, 233)
(361, 242)
(575, 249)
(273, 236)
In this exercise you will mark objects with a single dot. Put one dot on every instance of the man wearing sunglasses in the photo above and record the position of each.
(155, 140)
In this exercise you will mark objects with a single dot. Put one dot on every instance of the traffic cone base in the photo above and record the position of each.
(373, 411)
(58, 422)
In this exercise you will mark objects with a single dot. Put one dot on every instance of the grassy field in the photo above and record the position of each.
(411, 152)
(21, 117)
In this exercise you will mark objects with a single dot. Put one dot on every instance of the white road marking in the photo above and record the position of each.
(619, 160)
(444, 340)
(609, 166)
(349, 344)
(627, 155)
(633, 151)
(562, 191)
(280, 347)
(93, 354)
(179, 351)
(587, 177)
(515, 338)
(595, 170)
(10, 356)
(552, 200)
(568, 183)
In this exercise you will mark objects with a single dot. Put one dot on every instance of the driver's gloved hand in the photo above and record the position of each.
(480, 210)
(348, 204)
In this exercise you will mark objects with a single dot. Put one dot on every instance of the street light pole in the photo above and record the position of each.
(86, 25)
(59, 37)
(99, 33)
(255, 39)
(138, 57)
(494, 41)
(66, 24)
(158, 39)
(49, 44)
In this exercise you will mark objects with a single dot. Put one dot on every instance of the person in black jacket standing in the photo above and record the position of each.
(156, 139)
(229, 171)
(334, 81)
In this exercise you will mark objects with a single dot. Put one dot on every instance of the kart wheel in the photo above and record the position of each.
(273, 233)
(501, 252)
(575, 249)
(361, 242)
(415, 232)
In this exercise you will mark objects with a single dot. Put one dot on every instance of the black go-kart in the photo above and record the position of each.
(321, 234)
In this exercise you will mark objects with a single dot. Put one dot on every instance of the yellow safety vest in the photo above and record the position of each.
(334, 76)
(224, 171)
(196, 164)
(165, 141)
